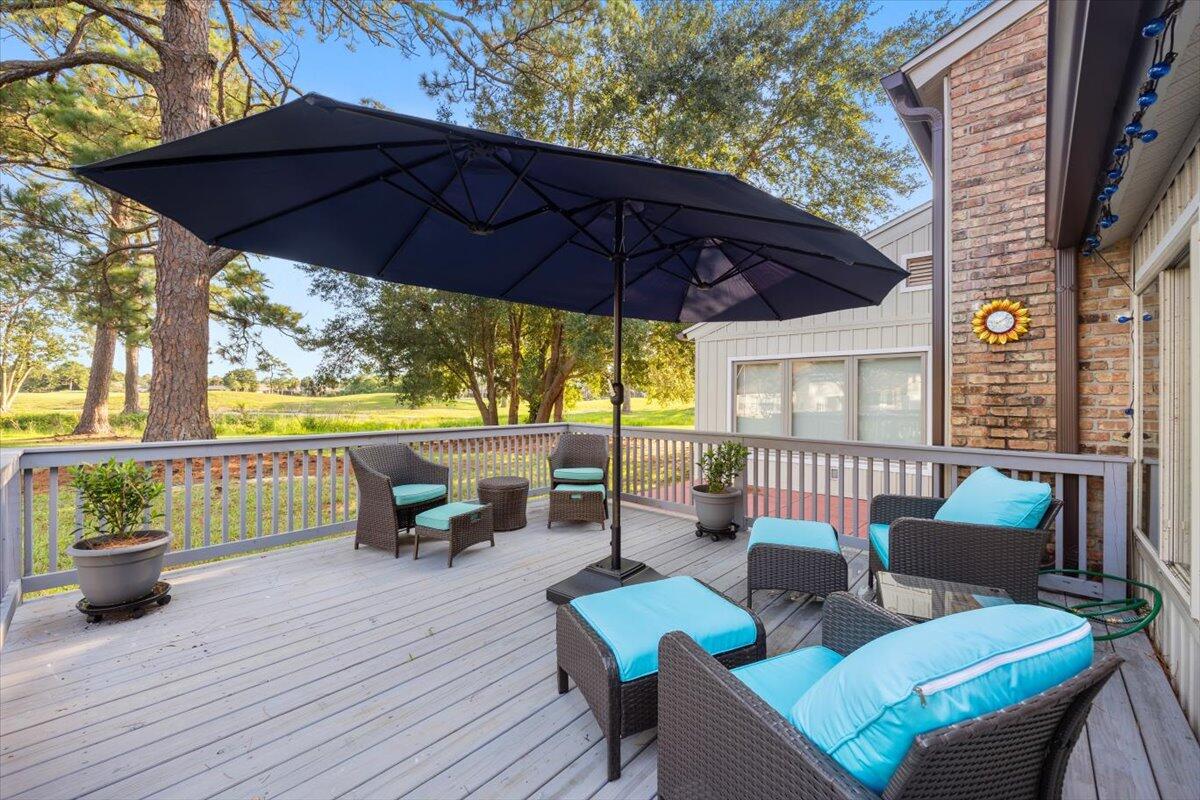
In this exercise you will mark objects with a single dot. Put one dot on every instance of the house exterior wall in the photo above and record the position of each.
(1001, 397)
(1173, 224)
(900, 322)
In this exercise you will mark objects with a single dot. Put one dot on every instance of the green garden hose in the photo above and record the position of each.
(1112, 612)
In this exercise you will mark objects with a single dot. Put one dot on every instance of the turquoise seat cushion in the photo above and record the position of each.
(439, 518)
(988, 498)
(865, 711)
(575, 488)
(794, 533)
(877, 532)
(408, 493)
(783, 679)
(579, 474)
(632, 619)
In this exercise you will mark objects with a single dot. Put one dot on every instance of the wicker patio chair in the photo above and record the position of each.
(623, 708)
(378, 469)
(576, 450)
(718, 740)
(984, 555)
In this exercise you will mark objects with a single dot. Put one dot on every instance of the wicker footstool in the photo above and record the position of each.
(608, 643)
(460, 524)
(582, 503)
(507, 495)
(796, 555)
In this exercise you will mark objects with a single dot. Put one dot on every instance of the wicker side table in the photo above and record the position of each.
(507, 495)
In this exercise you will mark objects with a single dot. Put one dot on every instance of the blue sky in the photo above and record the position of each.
(387, 76)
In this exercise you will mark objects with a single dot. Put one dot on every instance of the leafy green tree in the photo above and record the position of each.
(242, 379)
(189, 54)
(36, 328)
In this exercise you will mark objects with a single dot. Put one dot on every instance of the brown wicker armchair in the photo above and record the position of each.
(984, 555)
(718, 740)
(580, 450)
(378, 469)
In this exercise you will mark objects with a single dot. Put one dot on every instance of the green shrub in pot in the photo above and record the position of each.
(716, 500)
(119, 559)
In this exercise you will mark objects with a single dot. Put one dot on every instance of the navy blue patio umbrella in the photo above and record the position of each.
(425, 203)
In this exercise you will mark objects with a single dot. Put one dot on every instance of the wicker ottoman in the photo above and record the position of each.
(797, 555)
(460, 524)
(507, 495)
(608, 643)
(582, 503)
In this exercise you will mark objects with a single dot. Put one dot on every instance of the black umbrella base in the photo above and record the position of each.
(600, 577)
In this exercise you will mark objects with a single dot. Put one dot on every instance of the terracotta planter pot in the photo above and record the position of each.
(117, 575)
(715, 511)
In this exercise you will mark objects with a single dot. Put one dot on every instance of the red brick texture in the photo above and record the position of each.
(1001, 396)
(1105, 384)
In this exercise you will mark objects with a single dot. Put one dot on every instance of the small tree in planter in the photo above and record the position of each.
(119, 560)
(716, 500)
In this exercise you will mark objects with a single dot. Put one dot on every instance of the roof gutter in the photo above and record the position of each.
(1093, 55)
(925, 126)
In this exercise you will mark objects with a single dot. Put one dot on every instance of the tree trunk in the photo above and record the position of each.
(133, 404)
(627, 404)
(558, 406)
(93, 419)
(515, 320)
(179, 335)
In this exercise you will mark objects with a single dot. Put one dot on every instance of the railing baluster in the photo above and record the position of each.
(27, 497)
(320, 511)
(77, 533)
(841, 493)
(1083, 523)
(258, 495)
(187, 504)
(275, 491)
(828, 486)
(1058, 524)
(857, 498)
(207, 531)
(53, 520)
(169, 506)
(802, 485)
(224, 498)
(291, 487)
(303, 489)
(242, 469)
(345, 484)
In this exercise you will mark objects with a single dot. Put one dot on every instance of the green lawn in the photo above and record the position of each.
(47, 418)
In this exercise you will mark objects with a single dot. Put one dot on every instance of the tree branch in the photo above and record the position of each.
(18, 70)
(219, 257)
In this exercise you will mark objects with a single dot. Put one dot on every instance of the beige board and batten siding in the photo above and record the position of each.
(1173, 225)
(900, 323)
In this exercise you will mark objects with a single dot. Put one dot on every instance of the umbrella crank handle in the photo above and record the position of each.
(618, 394)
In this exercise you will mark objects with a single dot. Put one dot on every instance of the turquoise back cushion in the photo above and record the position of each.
(867, 709)
(988, 498)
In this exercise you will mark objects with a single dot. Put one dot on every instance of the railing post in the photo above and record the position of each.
(1116, 527)
(10, 538)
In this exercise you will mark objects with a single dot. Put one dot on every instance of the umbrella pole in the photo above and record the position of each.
(618, 388)
(612, 572)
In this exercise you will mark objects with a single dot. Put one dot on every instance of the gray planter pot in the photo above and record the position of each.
(119, 574)
(715, 511)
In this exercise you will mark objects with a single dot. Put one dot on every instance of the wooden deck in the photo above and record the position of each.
(321, 671)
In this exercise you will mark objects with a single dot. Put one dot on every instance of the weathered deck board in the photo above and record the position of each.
(321, 671)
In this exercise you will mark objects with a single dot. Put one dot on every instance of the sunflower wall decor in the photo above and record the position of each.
(1001, 321)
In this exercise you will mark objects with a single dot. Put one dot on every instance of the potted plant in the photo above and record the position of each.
(716, 499)
(120, 560)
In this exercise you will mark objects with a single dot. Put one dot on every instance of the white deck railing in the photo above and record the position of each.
(237, 495)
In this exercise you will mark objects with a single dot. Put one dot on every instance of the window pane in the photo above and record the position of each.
(889, 400)
(819, 399)
(759, 400)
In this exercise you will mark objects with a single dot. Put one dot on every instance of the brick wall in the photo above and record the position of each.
(1104, 374)
(1001, 396)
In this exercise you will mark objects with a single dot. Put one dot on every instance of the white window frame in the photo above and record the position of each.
(851, 358)
(904, 259)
